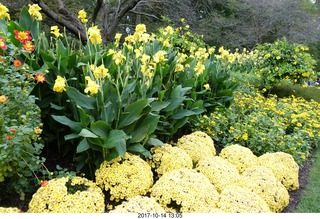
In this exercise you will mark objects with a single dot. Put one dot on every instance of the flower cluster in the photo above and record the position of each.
(239, 156)
(4, 12)
(125, 177)
(167, 158)
(267, 124)
(68, 195)
(190, 143)
(237, 199)
(285, 169)
(185, 190)
(219, 171)
(262, 181)
(10, 209)
(139, 204)
(34, 11)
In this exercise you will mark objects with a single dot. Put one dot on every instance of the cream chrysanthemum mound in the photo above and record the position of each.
(239, 156)
(68, 195)
(237, 199)
(167, 158)
(187, 190)
(139, 204)
(219, 171)
(125, 177)
(10, 210)
(261, 180)
(284, 167)
(198, 145)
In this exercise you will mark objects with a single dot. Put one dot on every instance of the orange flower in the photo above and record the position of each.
(2, 43)
(28, 46)
(38, 131)
(3, 99)
(13, 130)
(40, 78)
(44, 183)
(22, 36)
(17, 63)
(9, 137)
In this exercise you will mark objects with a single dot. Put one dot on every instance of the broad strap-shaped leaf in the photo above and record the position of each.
(121, 147)
(87, 134)
(83, 146)
(139, 149)
(155, 142)
(132, 113)
(75, 126)
(182, 113)
(100, 128)
(80, 99)
(115, 136)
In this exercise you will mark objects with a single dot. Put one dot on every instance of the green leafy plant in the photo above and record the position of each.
(282, 60)
(21, 165)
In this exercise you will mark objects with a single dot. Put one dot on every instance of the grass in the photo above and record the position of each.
(309, 202)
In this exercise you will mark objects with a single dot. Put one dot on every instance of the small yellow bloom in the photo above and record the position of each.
(4, 12)
(206, 86)
(141, 28)
(118, 57)
(60, 84)
(92, 86)
(3, 99)
(55, 31)
(199, 68)
(34, 11)
(94, 35)
(82, 15)
(179, 68)
(99, 72)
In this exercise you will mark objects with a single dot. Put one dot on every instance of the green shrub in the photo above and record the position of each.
(20, 121)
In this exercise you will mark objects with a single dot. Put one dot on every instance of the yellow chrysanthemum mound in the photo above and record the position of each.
(185, 190)
(219, 171)
(68, 195)
(10, 210)
(237, 199)
(239, 156)
(125, 177)
(284, 167)
(198, 145)
(139, 204)
(167, 158)
(262, 181)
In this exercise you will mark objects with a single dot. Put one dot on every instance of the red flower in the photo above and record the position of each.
(9, 137)
(28, 46)
(40, 78)
(2, 43)
(22, 36)
(13, 130)
(44, 183)
(17, 63)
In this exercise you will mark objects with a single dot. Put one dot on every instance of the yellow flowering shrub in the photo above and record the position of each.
(10, 210)
(198, 145)
(139, 204)
(68, 195)
(125, 177)
(239, 156)
(237, 199)
(167, 158)
(285, 169)
(219, 171)
(262, 181)
(185, 190)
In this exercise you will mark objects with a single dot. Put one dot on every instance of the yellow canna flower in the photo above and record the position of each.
(118, 57)
(92, 86)
(59, 84)
(55, 31)
(94, 35)
(4, 12)
(82, 15)
(99, 72)
(34, 11)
